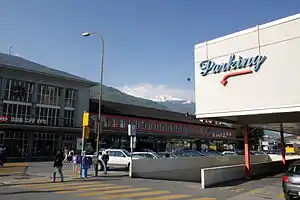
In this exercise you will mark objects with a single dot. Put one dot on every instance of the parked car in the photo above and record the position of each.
(193, 152)
(167, 155)
(229, 153)
(148, 155)
(291, 181)
(118, 158)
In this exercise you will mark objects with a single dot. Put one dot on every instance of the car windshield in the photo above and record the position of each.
(126, 152)
(294, 169)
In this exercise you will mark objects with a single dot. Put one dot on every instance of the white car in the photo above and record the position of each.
(229, 153)
(118, 158)
(148, 155)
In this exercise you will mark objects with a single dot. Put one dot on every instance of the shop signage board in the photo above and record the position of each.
(234, 67)
(18, 120)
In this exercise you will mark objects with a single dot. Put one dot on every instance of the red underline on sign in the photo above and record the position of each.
(236, 73)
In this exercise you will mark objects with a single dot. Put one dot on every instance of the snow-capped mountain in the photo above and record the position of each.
(175, 104)
(164, 98)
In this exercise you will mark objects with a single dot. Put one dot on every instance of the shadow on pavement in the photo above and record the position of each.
(25, 192)
(243, 181)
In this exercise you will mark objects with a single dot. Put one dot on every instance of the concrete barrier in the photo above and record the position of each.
(185, 168)
(216, 175)
(275, 157)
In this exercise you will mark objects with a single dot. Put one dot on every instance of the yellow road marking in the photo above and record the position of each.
(112, 192)
(94, 189)
(280, 196)
(226, 188)
(180, 196)
(53, 185)
(237, 190)
(74, 187)
(15, 165)
(136, 194)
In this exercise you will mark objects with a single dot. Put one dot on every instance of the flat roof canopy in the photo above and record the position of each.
(270, 121)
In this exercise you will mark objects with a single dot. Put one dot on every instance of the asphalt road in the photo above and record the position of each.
(116, 185)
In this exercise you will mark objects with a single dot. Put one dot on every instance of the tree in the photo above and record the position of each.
(254, 137)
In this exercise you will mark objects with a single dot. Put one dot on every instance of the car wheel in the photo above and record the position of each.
(287, 197)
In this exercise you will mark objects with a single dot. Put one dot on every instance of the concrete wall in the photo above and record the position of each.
(216, 175)
(275, 157)
(186, 168)
(82, 102)
(279, 41)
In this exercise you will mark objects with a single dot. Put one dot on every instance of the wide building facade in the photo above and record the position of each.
(251, 77)
(40, 108)
(158, 130)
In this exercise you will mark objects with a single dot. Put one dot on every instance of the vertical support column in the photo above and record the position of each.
(2, 86)
(62, 107)
(34, 99)
(282, 145)
(247, 156)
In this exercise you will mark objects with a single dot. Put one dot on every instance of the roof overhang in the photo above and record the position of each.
(271, 121)
(87, 82)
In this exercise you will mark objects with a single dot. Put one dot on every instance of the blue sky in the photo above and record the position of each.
(148, 44)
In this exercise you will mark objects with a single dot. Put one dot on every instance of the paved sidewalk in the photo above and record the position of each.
(14, 169)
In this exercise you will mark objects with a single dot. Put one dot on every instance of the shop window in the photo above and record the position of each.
(16, 90)
(44, 144)
(122, 123)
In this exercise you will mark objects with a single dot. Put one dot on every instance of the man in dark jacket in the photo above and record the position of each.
(58, 164)
(105, 158)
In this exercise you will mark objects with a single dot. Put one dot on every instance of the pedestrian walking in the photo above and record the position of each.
(58, 164)
(2, 156)
(105, 158)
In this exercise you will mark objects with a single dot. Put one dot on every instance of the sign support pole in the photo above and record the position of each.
(132, 135)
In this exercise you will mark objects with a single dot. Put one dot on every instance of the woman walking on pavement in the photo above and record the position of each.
(58, 164)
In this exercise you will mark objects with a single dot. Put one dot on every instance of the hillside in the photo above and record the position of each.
(114, 95)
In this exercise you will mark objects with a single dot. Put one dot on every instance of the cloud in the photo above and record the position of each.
(148, 91)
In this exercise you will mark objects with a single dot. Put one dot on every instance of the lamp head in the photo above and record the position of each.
(85, 34)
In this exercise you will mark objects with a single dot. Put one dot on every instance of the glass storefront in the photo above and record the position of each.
(44, 144)
(16, 143)
(22, 144)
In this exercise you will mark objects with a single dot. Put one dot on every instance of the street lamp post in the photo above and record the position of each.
(86, 34)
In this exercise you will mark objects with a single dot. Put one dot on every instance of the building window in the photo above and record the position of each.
(115, 123)
(122, 123)
(17, 111)
(143, 125)
(50, 116)
(138, 124)
(49, 95)
(16, 90)
(70, 98)
(69, 118)
(157, 126)
(105, 121)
